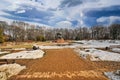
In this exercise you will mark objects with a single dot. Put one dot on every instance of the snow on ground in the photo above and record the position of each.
(55, 47)
(84, 44)
(18, 49)
(113, 75)
(34, 54)
(116, 50)
(4, 52)
(99, 55)
(98, 43)
(8, 70)
(50, 47)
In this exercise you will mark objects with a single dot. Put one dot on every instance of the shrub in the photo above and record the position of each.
(40, 38)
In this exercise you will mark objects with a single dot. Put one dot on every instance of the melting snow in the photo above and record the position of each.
(85, 44)
(116, 50)
(24, 55)
(8, 70)
(4, 52)
(99, 55)
(113, 75)
(55, 47)
(98, 43)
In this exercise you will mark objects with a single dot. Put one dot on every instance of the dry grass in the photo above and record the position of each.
(22, 44)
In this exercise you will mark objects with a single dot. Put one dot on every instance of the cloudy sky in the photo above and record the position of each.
(61, 13)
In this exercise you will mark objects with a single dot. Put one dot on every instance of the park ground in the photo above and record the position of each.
(59, 64)
(64, 64)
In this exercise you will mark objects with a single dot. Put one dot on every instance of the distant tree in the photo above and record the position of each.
(21, 31)
(115, 31)
(1, 36)
(40, 38)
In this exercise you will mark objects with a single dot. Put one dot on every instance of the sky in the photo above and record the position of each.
(61, 13)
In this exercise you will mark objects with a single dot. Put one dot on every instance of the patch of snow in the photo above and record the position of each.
(18, 49)
(117, 41)
(98, 43)
(99, 55)
(4, 52)
(113, 75)
(55, 47)
(8, 70)
(34, 54)
(50, 47)
(116, 50)
(83, 54)
(85, 44)
(3, 76)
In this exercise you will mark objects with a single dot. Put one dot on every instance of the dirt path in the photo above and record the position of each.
(61, 64)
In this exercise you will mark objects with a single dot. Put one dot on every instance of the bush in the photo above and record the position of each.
(40, 38)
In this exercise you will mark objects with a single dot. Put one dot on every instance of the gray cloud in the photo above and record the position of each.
(70, 3)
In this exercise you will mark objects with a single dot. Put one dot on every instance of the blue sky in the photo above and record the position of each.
(61, 13)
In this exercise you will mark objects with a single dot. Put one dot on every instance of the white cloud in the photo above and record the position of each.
(9, 21)
(102, 19)
(81, 14)
(100, 4)
(71, 12)
(110, 19)
(51, 3)
(22, 11)
(40, 24)
(64, 24)
(60, 15)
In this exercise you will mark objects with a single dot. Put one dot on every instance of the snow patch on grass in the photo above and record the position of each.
(116, 50)
(99, 55)
(4, 52)
(55, 47)
(85, 44)
(8, 70)
(98, 43)
(24, 55)
(113, 75)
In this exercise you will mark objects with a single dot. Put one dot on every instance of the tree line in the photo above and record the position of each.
(21, 31)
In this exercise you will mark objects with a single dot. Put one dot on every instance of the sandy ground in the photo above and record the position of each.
(64, 64)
